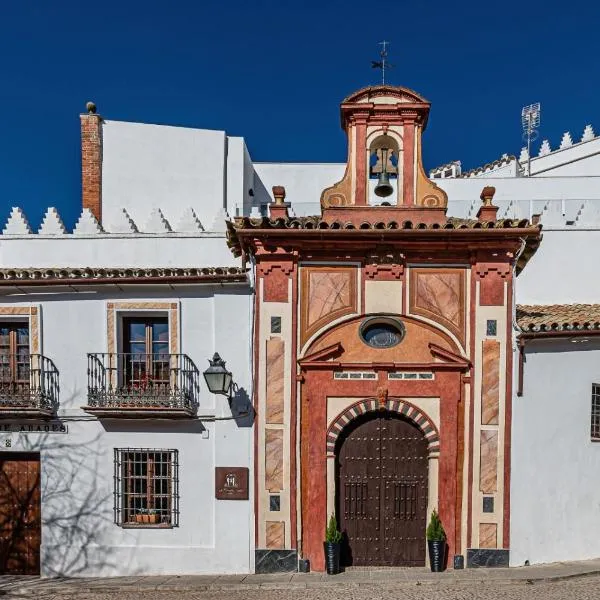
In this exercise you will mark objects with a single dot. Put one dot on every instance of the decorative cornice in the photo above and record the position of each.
(484, 269)
(384, 90)
(66, 276)
(247, 233)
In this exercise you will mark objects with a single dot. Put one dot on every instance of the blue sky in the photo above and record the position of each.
(274, 72)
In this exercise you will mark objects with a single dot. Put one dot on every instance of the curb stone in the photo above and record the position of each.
(71, 589)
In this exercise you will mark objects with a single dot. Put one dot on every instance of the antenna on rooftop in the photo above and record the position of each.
(383, 63)
(530, 120)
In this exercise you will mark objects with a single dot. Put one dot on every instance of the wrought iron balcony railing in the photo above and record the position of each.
(122, 382)
(28, 384)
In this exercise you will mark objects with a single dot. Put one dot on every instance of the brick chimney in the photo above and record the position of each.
(91, 161)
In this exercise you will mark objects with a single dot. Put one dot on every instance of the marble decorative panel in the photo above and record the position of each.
(275, 324)
(275, 365)
(327, 293)
(276, 285)
(274, 459)
(488, 468)
(491, 290)
(275, 561)
(439, 295)
(490, 382)
(488, 534)
(487, 557)
(275, 534)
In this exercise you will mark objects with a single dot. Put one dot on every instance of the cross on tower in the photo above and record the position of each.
(382, 64)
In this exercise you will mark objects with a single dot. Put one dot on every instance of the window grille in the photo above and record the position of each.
(146, 487)
(409, 375)
(595, 411)
(354, 375)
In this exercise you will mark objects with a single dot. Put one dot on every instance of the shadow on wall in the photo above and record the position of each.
(241, 407)
(75, 514)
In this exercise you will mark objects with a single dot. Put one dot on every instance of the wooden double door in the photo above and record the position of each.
(20, 514)
(381, 493)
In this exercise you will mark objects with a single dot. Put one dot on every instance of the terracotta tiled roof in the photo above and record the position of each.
(316, 222)
(246, 228)
(58, 275)
(558, 317)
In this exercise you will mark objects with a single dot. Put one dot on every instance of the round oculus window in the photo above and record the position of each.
(382, 332)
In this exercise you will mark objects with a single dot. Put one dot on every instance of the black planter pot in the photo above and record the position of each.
(332, 557)
(437, 554)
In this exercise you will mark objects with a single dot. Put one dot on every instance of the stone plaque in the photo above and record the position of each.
(231, 483)
(34, 427)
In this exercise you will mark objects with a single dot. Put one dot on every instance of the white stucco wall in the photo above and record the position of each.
(555, 491)
(147, 166)
(303, 183)
(115, 250)
(240, 178)
(564, 269)
(580, 159)
(79, 536)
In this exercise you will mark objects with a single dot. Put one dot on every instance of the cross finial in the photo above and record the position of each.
(382, 64)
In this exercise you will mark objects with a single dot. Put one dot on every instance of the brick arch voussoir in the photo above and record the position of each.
(401, 407)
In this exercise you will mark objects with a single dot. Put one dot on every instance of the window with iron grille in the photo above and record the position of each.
(595, 411)
(146, 487)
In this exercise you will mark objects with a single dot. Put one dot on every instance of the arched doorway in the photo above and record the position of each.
(381, 491)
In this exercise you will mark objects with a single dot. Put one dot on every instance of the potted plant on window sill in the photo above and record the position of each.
(146, 516)
(436, 542)
(332, 547)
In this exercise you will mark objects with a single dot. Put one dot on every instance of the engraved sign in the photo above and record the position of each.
(231, 483)
(34, 427)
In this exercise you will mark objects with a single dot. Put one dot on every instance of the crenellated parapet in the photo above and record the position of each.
(512, 166)
(119, 222)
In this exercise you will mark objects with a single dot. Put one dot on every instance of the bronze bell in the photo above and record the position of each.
(384, 187)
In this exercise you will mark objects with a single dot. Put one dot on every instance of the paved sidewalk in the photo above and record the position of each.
(36, 587)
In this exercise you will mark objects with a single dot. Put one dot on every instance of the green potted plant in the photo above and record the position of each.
(332, 547)
(436, 542)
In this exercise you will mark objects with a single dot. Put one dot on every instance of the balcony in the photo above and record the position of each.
(28, 386)
(142, 385)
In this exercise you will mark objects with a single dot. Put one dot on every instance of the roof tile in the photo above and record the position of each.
(558, 317)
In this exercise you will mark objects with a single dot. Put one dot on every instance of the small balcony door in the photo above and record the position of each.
(146, 353)
(14, 358)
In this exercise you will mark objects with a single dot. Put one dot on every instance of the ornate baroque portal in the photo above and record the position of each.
(380, 385)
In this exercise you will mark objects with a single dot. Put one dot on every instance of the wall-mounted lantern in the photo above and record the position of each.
(218, 378)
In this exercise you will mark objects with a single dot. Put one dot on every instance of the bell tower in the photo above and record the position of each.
(384, 171)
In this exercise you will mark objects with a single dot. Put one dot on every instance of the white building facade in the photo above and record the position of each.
(109, 432)
(132, 466)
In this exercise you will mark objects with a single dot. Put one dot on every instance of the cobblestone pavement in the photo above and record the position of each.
(584, 588)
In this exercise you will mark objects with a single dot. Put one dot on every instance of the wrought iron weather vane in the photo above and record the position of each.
(383, 63)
